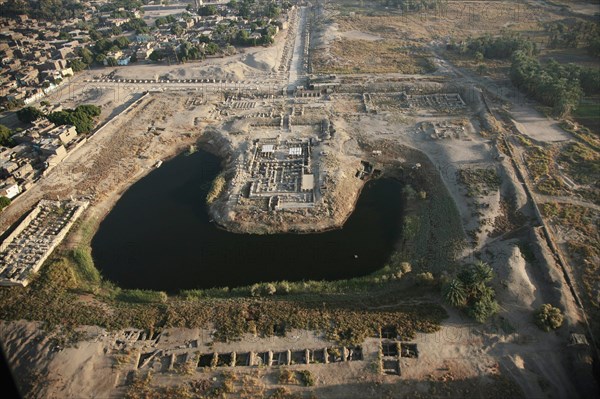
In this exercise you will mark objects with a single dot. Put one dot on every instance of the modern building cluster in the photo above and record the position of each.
(33, 59)
(38, 149)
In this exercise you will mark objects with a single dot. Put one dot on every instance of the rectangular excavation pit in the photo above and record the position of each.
(409, 350)
(205, 360)
(242, 359)
(181, 358)
(262, 358)
(165, 362)
(143, 358)
(391, 367)
(280, 358)
(224, 360)
(355, 353)
(299, 357)
(389, 348)
(335, 355)
(318, 356)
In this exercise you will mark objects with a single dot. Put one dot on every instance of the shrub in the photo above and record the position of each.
(255, 290)
(287, 376)
(283, 287)
(307, 378)
(280, 393)
(269, 289)
(85, 265)
(547, 317)
(425, 277)
(263, 289)
(405, 267)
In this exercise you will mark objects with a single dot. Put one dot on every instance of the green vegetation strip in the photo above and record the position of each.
(54, 298)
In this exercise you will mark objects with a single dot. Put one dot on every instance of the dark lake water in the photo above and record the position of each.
(159, 236)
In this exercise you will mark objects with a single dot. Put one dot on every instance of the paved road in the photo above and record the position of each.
(297, 69)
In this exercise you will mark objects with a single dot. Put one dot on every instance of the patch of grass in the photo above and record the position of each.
(582, 133)
(581, 162)
(381, 56)
(142, 296)
(588, 114)
(479, 181)
(216, 189)
(347, 319)
(432, 241)
(538, 162)
(583, 247)
(87, 273)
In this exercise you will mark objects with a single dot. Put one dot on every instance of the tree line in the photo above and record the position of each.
(574, 34)
(552, 84)
(560, 86)
(81, 117)
(499, 47)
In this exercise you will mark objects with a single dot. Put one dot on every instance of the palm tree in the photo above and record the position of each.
(454, 293)
(483, 272)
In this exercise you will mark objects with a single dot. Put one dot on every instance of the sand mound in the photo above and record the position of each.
(511, 269)
(518, 280)
(263, 61)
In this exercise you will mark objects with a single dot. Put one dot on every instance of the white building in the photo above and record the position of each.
(10, 190)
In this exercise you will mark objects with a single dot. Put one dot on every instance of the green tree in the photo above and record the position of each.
(81, 117)
(102, 46)
(207, 10)
(211, 48)
(116, 30)
(160, 21)
(455, 293)
(482, 309)
(77, 65)
(5, 134)
(470, 289)
(136, 24)
(156, 55)
(86, 55)
(29, 114)
(121, 42)
(4, 202)
(483, 272)
(177, 29)
(90, 110)
(111, 61)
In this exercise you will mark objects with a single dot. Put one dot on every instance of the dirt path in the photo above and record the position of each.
(566, 200)
(527, 119)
